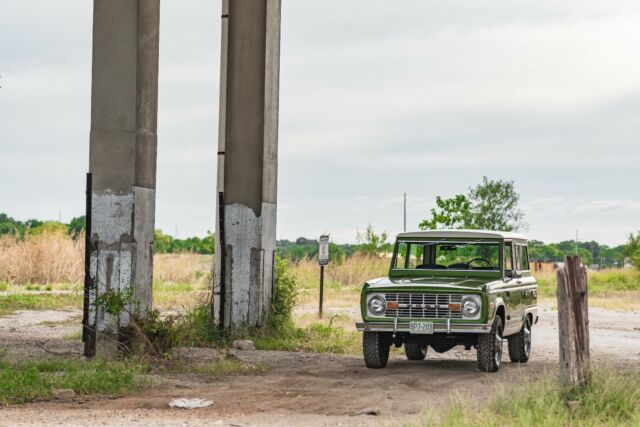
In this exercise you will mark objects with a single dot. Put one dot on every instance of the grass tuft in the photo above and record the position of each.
(611, 399)
(29, 381)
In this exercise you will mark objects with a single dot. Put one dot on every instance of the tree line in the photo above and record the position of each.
(490, 205)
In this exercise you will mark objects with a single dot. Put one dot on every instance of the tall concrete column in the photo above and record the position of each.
(247, 161)
(122, 161)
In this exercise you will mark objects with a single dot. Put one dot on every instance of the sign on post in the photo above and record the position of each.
(323, 259)
(323, 252)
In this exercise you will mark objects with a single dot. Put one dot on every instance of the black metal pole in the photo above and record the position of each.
(88, 333)
(223, 263)
(321, 289)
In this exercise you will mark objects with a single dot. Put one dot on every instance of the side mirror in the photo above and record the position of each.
(512, 274)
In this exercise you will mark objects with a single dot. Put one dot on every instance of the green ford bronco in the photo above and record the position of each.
(448, 288)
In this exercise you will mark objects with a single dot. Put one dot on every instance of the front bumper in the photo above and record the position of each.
(438, 328)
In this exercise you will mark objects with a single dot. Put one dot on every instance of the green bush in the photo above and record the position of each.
(285, 295)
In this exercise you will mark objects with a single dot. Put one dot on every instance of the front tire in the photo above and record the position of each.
(415, 351)
(375, 347)
(520, 344)
(490, 348)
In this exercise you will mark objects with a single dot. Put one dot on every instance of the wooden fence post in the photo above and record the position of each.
(573, 322)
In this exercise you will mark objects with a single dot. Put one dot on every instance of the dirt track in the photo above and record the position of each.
(302, 388)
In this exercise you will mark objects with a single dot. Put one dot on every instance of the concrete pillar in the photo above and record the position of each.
(122, 161)
(247, 161)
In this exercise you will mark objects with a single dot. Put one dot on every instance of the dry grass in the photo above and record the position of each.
(182, 268)
(50, 257)
(53, 258)
(353, 272)
(53, 261)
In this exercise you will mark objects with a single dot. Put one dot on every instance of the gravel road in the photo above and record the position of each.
(299, 388)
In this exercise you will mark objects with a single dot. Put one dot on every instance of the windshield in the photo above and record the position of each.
(471, 255)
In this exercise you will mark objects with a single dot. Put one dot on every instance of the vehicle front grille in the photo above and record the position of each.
(423, 306)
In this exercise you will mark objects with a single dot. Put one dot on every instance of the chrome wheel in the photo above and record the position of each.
(498, 347)
(527, 338)
(520, 343)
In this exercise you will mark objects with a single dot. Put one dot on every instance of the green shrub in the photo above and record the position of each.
(285, 295)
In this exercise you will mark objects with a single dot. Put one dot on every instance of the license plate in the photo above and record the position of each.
(421, 327)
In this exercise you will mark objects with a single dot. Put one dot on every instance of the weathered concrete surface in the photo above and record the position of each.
(247, 160)
(122, 160)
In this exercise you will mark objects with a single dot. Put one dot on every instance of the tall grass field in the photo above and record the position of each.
(52, 260)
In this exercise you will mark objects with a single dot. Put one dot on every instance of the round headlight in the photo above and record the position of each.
(470, 307)
(377, 305)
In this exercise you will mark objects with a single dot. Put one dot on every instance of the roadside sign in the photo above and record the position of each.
(323, 252)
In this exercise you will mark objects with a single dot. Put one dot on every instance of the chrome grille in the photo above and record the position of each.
(423, 306)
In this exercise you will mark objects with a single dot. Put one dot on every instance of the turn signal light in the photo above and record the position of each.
(392, 305)
(454, 307)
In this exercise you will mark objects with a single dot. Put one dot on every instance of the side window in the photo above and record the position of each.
(522, 258)
(508, 264)
(401, 256)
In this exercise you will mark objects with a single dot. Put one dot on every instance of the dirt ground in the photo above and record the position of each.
(298, 388)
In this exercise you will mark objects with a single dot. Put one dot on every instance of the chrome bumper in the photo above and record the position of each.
(438, 328)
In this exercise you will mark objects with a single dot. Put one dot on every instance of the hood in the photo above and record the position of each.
(459, 283)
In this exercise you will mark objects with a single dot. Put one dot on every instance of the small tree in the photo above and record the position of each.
(451, 213)
(370, 242)
(491, 205)
(494, 206)
(632, 250)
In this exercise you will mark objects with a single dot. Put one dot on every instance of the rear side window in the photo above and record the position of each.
(508, 266)
(522, 258)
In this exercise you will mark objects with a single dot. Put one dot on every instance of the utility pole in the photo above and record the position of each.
(405, 212)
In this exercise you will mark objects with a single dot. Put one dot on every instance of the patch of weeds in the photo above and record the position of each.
(13, 302)
(50, 323)
(29, 381)
(226, 365)
(74, 336)
(4, 286)
(32, 287)
(196, 327)
(48, 288)
(611, 399)
(115, 302)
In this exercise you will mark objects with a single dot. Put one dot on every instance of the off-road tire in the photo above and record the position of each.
(520, 343)
(415, 351)
(490, 347)
(375, 347)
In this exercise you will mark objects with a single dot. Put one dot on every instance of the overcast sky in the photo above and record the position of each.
(377, 98)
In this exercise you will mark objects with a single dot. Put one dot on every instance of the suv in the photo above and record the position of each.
(449, 288)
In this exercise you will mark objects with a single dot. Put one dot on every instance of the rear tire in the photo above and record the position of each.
(490, 348)
(415, 351)
(375, 347)
(520, 343)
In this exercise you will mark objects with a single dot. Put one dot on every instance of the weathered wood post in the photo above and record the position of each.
(573, 322)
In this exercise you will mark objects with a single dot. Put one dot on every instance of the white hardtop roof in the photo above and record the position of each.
(472, 234)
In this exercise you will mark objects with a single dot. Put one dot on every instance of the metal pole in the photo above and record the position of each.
(405, 212)
(321, 290)
(88, 334)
